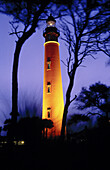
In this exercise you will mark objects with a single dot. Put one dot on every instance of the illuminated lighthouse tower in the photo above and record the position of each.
(53, 103)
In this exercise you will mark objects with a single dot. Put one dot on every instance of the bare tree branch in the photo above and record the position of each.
(73, 99)
(85, 35)
(90, 113)
(64, 63)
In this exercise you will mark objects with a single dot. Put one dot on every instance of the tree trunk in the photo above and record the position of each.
(14, 112)
(19, 45)
(68, 95)
(64, 121)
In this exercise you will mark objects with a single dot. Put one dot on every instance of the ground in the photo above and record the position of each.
(50, 155)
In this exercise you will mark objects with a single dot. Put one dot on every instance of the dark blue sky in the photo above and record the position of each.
(31, 68)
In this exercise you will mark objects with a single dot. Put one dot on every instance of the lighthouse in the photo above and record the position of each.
(53, 103)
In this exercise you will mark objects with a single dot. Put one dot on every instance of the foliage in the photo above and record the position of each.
(77, 118)
(22, 10)
(95, 96)
(31, 128)
(0, 130)
(28, 129)
(96, 99)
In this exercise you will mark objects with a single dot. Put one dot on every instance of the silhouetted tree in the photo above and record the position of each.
(29, 126)
(77, 118)
(28, 13)
(28, 129)
(86, 33)
(8, 127)
(0, 130)
(95, 97)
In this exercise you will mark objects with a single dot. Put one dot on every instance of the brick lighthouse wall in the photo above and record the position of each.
(54, 99)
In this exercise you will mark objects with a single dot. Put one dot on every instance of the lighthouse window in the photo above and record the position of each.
(48, 83)
(48, 66)
(48, 112)
(48, 59)
(48, 87)
(48, 63)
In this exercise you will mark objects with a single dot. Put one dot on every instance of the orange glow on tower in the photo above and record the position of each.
(53, 104)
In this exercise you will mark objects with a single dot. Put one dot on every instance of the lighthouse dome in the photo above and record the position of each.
(50, 21)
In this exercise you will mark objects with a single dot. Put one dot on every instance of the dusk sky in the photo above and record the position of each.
(31, 68)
